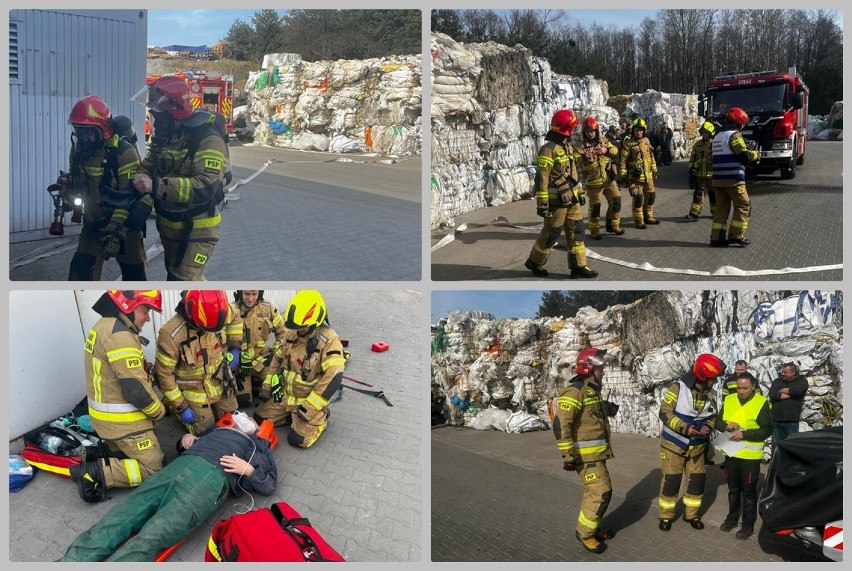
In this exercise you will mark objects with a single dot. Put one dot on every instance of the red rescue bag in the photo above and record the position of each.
(276, 533)
(51, 449)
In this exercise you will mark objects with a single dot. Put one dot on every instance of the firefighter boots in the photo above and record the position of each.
(592, 544)
(583, 272)
(695, 523)
(614, 226)
(538, 271)
(665, 524)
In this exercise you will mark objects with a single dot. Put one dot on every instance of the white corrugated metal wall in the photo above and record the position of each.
(47, 331)
(61, 57)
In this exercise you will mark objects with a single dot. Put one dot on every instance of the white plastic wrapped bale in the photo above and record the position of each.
(673, 109)
(280, 59)
(455, 72)
(665, 364)
(805, 314)
(491, 419)
(456, 188)
(569, 92)
(523, 422)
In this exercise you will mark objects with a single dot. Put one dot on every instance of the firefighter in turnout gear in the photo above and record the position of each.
(305, 372)
(582, 435)
(260, 319)
(198, 351)
(559, 199)
(730, 157)
(701, 172)
(121, 398)
(638, 170)
(183, 172)
(103, 162)
(746, 417)
(687, 413)
(600, 171)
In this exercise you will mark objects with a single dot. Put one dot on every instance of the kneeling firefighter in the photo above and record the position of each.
(122, 403)
(198, 350)
(305, 372)
(260, 319)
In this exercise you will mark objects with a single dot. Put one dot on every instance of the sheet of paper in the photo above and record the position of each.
(723, 443)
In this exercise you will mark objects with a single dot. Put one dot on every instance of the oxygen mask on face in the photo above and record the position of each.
(243, 423)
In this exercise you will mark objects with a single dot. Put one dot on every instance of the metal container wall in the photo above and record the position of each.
(57, 57)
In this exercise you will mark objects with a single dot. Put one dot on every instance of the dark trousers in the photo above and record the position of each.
(742, 476)
(781, 430)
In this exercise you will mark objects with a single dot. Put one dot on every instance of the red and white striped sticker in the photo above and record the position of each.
(833, 537)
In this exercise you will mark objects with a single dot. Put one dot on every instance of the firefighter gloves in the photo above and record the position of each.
(569, 466)
(110, 246)
(542, 209)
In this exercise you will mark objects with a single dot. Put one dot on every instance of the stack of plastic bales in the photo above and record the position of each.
(516, 365)
(491, 107)
(371, 105)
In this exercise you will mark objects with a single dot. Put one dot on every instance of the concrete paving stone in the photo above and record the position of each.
(364, 503)
(355, 552)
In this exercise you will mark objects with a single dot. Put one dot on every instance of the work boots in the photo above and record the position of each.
(538, 271)
(614, 226)
(583, 272)
(649, 218)
(639, 222)
(90, 480)
(592, 544)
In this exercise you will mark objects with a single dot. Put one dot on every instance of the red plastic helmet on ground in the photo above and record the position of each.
(170, 94)
(708, 366)
(91, 111)
(590, 124)
(588, 359)
(129, 299)
(737, 115)
(207, 309)
(563, 122)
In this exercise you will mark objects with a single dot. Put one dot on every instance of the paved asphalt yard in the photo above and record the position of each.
(360, 484)
(308, 216)
(505, 497)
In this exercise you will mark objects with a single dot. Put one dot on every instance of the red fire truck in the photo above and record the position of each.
(211, 90)
(777, 107)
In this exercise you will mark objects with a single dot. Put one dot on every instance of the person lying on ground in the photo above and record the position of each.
(177, 500)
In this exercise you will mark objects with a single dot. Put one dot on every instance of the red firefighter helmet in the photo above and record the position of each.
(207, 309)
(708, 366)
(737, 115)
(563, 122)
(170, 94)
(590, 124)
(129, 299)
(588, 359)
(91, 111)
